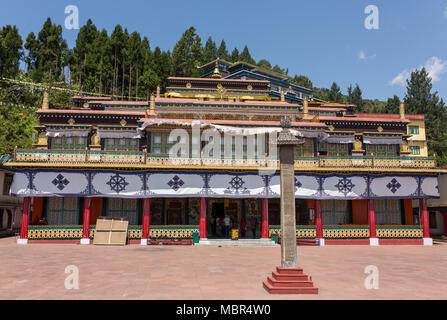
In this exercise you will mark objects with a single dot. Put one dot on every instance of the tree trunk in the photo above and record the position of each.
(130, 79)
(136, 92)
(114, 81)
(122, 85)
(100, 78)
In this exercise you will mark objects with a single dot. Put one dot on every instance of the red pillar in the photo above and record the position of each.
(25, 220)
(146, 220)
(372, 224)
(372, 219)
(319, 222)
(265, 219)
(86, 224)
(424, 218)
(202, 225)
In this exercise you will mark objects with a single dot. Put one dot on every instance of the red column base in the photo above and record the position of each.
(289, 281)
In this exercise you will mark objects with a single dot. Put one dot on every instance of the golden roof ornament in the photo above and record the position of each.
(380, 129)
(221, 90)
(71, 121)
(216, 73)
(123, 122)
(152, 112)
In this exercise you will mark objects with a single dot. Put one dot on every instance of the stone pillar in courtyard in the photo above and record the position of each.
(286, 144)
(289, 277)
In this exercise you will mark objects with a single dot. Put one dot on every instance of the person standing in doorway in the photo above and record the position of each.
(213, 224)
(227, 222)
(219, 227)
(253, 224)
(243, 227)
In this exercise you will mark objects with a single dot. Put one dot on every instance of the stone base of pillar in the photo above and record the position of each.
(373, 241)
(22, 241)
(428, 241)
(320, 242)
(144, 242)
(289, 281)
(85, 241)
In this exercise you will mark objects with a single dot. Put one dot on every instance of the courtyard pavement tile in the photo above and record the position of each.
(37, 271)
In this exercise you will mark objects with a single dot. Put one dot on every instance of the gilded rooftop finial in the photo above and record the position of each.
(216, 73)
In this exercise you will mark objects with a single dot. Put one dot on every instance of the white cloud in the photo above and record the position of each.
(363, 56)
(434, 66)
(400, 79)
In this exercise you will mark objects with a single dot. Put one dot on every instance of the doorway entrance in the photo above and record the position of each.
(219, 209)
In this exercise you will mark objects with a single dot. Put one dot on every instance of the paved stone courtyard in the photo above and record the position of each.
(36, 271)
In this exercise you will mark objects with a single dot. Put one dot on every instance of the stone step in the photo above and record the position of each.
(289, 270)
(238, 243)
(289, 283)
(289, 277)
(289, 290)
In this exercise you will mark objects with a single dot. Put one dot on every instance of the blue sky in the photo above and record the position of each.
(324, 40)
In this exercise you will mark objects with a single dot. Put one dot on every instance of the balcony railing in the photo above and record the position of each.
(142, 158)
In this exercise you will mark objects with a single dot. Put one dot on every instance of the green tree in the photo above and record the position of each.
(135, 55)
(278, 69)
(162, 67)
(187, 54)
(11, 51)
(17, 123)
(263, 63)
(51, 46)
(32, 45)
(246, 56)
(84, 65)
(302, 81)
(392, 105)
(420, 99)
(222, 52)
(209, 51)
(355, 97)
(335, 94)
(105, 65)
(117, 43)
(235, 55)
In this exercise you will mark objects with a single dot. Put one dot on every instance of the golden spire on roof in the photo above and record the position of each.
(216, 73)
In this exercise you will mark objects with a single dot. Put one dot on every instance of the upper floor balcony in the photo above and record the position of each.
(103, 157)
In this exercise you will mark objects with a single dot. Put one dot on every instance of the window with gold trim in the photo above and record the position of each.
(306, 149)
(69, 143)
(121, 144)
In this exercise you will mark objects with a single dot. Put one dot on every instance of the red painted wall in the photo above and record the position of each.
(360, 211)
(37, 209)
(408, 209)
(96, 210)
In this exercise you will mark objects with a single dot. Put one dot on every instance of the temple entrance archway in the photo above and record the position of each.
(217, 209)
